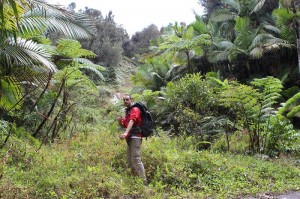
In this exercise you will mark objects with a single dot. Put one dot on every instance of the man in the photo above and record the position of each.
(133, 136)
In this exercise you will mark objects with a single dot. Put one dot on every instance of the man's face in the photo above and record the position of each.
(127, 101)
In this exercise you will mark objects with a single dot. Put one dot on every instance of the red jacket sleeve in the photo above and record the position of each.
(135, 115)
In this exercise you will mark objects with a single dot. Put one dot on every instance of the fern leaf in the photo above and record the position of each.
(295, 112)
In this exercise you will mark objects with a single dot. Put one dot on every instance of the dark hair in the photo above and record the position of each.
(128, 95)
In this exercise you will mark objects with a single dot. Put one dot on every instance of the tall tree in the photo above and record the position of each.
(243, 32)
(24, 62)
(142, 40)
(288, 20)
(182, 45)
(108, 39)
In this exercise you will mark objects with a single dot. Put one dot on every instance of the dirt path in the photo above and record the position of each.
(288, 195)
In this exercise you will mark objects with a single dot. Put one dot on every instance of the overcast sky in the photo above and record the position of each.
(134, 15)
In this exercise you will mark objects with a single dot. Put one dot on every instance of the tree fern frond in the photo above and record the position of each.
(72, 49)
(88, 62)
(271, 88)
(31, 77)
(295, 112)
(74, 77)
(290, 104)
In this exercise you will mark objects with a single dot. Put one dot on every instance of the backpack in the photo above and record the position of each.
(147, 126)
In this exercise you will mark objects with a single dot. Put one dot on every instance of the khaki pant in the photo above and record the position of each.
(134, 157)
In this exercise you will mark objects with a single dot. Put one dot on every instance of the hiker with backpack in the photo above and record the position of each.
(133, 135)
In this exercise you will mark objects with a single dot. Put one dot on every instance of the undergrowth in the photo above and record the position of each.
(93, 166)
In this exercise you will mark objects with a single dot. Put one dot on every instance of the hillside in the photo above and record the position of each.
(91, 164)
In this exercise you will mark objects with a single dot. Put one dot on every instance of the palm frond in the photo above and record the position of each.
(260, 39)
(199, 26)
(233, 4)
(75, 26)
(216, 56)
(10, 93)
(10, 12)
(88, 65)
(271, 28)
(222, 15)
(225, 44)
(277, 43)
(258, 6)
(256, 52)
(28, 53)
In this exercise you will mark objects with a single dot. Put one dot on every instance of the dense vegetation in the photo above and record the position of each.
(224, 93)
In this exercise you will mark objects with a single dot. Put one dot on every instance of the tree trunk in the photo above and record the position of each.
(51, 109)
(298, 44)
(295, 7)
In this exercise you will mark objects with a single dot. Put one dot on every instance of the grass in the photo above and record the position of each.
(93, 166)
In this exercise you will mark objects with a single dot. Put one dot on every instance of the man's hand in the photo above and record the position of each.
(123, 135)
(119, 119)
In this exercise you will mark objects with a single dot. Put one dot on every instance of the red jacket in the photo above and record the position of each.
(134, 114)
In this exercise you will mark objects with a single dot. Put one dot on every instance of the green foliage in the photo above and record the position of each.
(74, 56)
(191, 108)
(107, 39)
(290, 92)
(291, 108)
(253, 107)
(280, 136)
(143, 39)
(148, 97)
(10, 94)
(154, 74)
(72, 49)
(285, 19)
(182, 45)
(270, 88)
(191, 91)
(238, 143)
(94, 167)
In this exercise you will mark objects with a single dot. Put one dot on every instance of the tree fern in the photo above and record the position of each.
(254, 105)
(71, 53)
(271, 89)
